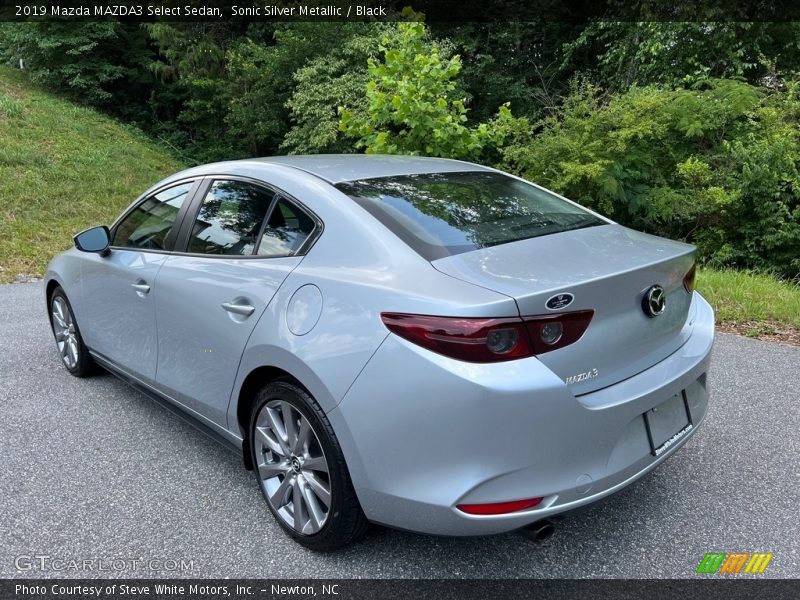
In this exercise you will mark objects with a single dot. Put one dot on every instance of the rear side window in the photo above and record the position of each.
(147, 226)
(287, 230)
(230, 219)
(442, 214)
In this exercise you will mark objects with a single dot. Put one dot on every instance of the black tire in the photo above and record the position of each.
(345, 519)
(84, 365)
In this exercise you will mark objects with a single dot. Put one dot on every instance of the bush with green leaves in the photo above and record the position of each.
(101, 63)
(688, 130)
(716, 165)
(413, 103)
(324, 83)
(620, 54)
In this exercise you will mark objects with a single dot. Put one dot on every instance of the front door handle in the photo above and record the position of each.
(240, 309)
(141, 287)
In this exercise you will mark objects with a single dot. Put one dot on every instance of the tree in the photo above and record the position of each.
(716, 164)
(101, 63)
(412, 102)
(335, 78)
(616, 55)
(235, 83)
(510, 62)
(263, 80)
(192, 65)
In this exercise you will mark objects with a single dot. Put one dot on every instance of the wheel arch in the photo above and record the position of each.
(253, 382)
(49, 290)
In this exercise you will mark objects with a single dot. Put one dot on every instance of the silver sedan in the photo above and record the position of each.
(421, 343)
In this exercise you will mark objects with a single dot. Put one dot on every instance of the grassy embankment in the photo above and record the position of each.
(63, 168)
(752, 304)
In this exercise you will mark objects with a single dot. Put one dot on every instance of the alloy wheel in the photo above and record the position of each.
(65, 332)
(292, 467)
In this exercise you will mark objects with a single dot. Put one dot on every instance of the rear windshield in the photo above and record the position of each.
(442, 214)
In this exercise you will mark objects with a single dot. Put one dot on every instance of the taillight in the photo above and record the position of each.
(499, 508)
(688, 279)
(487, 340)
(469, 339)
(551, 332)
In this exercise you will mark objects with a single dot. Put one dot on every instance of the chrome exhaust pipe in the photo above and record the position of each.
(539, 531)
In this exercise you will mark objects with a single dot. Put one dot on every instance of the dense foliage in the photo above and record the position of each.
(412, 102)
(717, 164)
(688, 130)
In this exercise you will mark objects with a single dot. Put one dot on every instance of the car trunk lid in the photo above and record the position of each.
(608, 269)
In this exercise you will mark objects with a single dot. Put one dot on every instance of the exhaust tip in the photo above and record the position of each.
(539, 531)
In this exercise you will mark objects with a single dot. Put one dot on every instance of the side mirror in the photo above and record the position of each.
(95, 239)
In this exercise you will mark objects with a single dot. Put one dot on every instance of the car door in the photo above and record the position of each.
(211, 295)
(117, 287)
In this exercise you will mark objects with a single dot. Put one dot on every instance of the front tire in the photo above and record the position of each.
(301, 470)
(74, 355)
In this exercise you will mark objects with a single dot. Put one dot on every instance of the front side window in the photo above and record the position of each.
(287, 230)
(230, 219)
(148, 225)
(442, 214)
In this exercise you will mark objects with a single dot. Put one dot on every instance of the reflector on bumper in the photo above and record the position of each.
(499, 508)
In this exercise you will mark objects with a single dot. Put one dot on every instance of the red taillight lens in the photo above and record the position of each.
(688, 279)
(469, 339)
(499, 508)
(483, 340)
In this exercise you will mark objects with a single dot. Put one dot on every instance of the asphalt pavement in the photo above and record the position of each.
(91, 470)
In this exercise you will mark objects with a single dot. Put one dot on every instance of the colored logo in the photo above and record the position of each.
(734, 563)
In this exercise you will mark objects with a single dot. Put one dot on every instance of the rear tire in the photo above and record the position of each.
(301, 470)
(74, 355)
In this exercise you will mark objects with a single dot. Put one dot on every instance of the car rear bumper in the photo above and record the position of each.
(423, 433)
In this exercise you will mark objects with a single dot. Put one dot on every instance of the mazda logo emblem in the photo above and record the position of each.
(655, 301)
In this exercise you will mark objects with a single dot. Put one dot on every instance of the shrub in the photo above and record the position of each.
(414, 105)
(326, 82)
(716, 165)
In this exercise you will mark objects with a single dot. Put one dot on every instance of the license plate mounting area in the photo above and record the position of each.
(667, 423)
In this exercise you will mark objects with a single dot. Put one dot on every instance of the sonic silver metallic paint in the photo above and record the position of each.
(420, 432)
(493, 432)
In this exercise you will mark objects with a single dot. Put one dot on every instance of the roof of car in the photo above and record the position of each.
(336, 168)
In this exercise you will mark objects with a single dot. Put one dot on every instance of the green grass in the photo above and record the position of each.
(63, 168)
(740, 296)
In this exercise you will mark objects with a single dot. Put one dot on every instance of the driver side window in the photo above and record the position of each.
(147, 226)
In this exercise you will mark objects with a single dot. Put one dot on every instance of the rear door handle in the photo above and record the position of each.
(240, 309)
(141, 288)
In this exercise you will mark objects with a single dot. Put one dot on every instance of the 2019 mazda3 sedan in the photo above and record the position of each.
(427, 344)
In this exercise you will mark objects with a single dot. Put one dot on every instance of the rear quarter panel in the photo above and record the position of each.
(360, 270)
